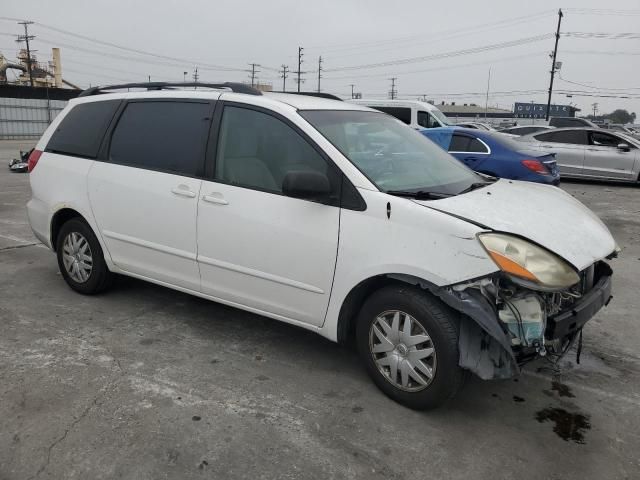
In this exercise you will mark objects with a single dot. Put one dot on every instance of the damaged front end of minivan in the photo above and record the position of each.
(535, 306)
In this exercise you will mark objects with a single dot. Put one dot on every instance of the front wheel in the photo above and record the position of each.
(80, 258)
(408, 341)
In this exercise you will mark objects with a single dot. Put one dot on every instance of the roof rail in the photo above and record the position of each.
(233, 86)
(315, 94)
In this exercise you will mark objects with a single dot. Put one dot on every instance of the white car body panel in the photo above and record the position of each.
(147, 220)
(542, 213)
(267, 251)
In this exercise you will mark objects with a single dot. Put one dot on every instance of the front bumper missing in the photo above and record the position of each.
(484, 345)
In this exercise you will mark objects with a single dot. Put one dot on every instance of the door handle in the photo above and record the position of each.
(216, 198)
(183, 191)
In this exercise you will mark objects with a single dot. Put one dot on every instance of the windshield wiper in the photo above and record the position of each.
(419, 195)
(474, 186)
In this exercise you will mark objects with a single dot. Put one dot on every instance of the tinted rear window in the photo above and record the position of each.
(403, 114)
(166, 136)
(80, 132)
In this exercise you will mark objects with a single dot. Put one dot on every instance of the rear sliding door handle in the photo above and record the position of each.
(183, 191)
(215, 198)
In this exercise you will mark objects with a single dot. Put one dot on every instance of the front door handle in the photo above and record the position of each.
(216, 198)
(183, 191)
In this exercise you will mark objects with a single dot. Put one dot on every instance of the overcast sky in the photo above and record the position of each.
(351, 36)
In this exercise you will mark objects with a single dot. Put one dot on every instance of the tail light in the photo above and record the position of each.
(536, 166)
(33, 159)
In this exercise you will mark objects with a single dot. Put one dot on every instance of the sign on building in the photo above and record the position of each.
(539, 110)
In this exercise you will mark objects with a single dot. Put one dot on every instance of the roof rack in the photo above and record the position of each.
(315, 94)
(233, 86)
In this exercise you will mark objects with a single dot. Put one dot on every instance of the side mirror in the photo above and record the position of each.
(624, 147)
(306, 185)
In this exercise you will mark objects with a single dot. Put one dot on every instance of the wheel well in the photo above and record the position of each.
(357, 296)
(60, 218)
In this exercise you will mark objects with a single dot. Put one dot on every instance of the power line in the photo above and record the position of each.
(603, 35)
(444, 34)
(456, 53)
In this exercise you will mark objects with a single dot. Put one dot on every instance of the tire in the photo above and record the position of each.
(91, 274)
(426, 315)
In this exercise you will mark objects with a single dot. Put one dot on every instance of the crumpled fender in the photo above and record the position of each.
(485, 348)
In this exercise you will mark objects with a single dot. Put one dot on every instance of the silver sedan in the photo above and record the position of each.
(590, 152)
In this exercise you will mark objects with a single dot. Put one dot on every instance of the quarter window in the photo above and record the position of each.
(81, 131)
(166, 136)
(257, 150)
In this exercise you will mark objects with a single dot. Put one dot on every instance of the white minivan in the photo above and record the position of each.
(412, 112)
(323, 214)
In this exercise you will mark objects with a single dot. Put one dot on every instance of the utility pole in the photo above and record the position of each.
(595, 109)
(25, 38)
(486, 103)
(553, 63)
(319, 71)
(352, 86)
(184, 77)
(149, 78)
(393, 93)
(299, 72)
(195, 75)
(253, 73)
(283, 75)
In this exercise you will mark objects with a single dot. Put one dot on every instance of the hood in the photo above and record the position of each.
(544, 214)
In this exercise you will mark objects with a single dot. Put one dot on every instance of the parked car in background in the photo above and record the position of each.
(524, 129)
(590, 152)
(323, 214)
(414, 113)
(562, 122)
(496, 154)
(476, 126)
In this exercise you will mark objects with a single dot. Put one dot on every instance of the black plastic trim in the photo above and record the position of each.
(233, 86)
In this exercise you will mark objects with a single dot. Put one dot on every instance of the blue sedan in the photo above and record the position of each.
(496, 154)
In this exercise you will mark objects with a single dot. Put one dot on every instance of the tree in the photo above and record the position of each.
(621, 116)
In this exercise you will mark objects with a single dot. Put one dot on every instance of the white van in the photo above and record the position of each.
(325, 215)
(412, 112)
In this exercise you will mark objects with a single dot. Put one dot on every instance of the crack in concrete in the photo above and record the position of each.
(103, 391)
(13, 247)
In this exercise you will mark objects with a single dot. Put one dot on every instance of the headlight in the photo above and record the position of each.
(524, 260)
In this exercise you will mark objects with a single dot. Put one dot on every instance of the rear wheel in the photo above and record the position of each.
(408, 341)
(80, 258)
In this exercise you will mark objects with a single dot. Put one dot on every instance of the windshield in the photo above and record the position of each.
(393, 156)
(440, 116)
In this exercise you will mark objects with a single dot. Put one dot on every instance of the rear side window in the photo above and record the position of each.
(166, 136)
(464, 143)
(402, 114)
(80, 132)
(576, 137)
